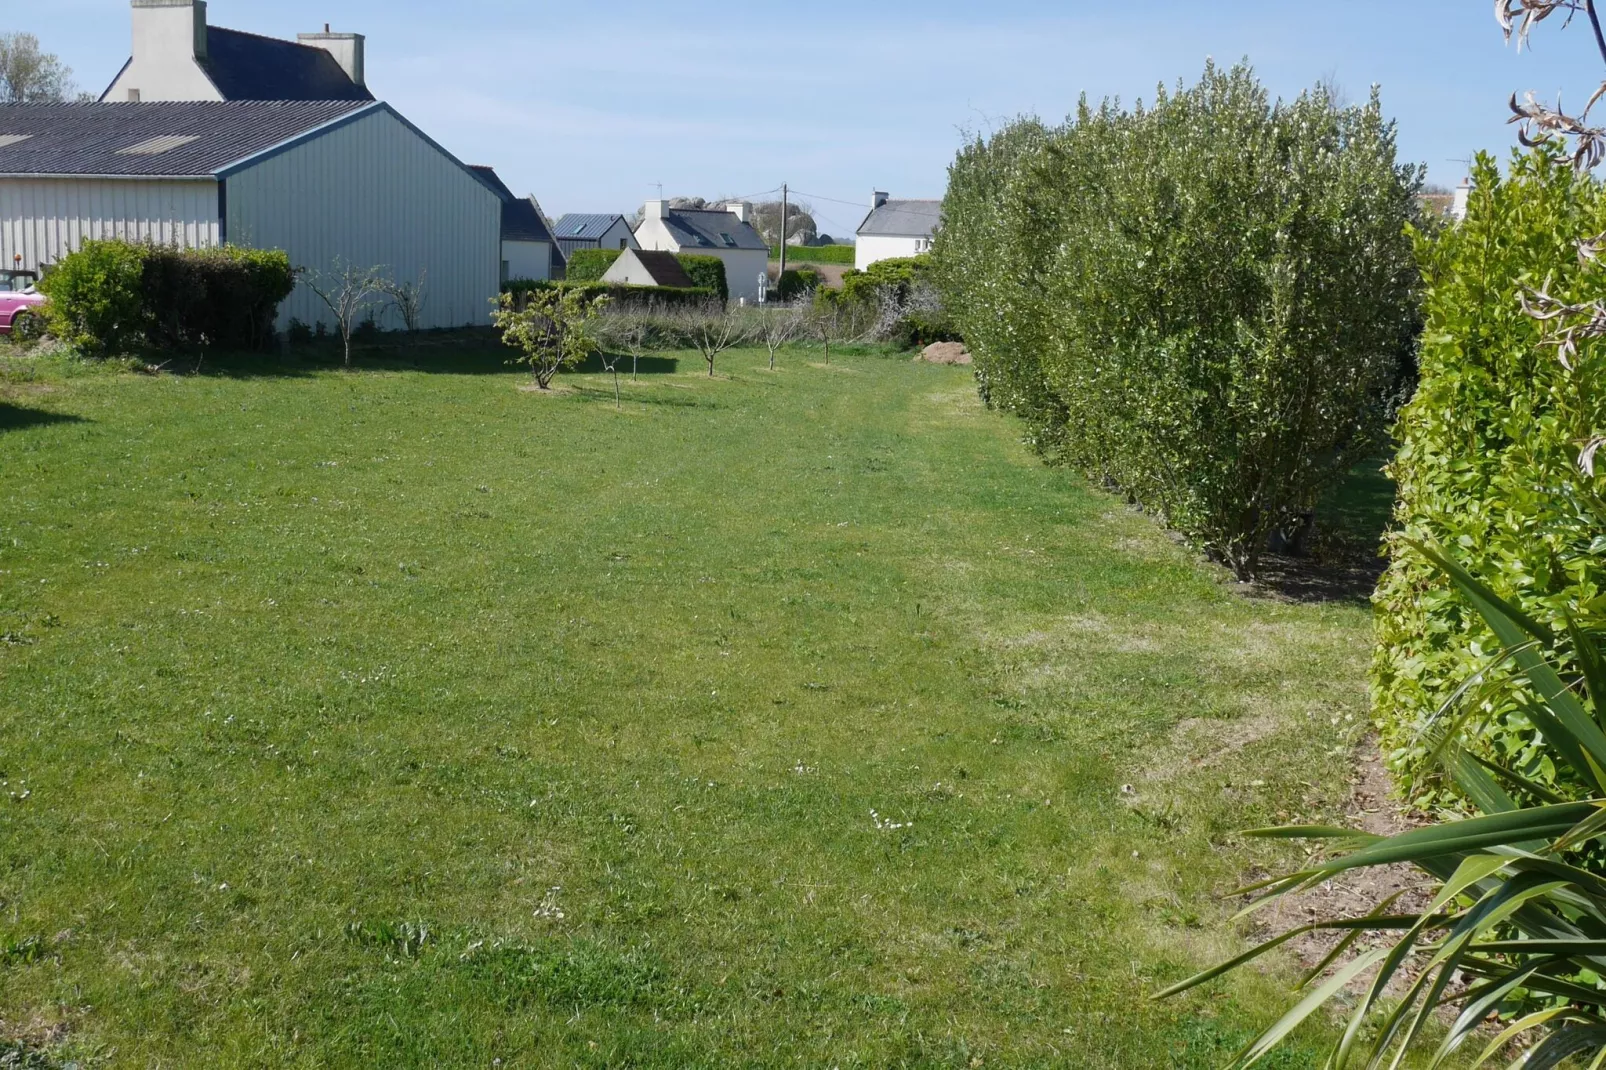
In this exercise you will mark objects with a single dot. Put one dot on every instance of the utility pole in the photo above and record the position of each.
(784, 192)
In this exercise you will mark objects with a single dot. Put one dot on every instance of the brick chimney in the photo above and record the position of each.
(347, 48)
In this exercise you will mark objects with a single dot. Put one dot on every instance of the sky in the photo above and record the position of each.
(591, 104)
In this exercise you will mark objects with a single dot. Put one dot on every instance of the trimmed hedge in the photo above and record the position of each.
(815, 254)
(111, 296)
(1488, 463)
(622, 295)
(707, 273)
(589, 265)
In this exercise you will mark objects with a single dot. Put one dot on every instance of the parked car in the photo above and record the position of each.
(20, 304)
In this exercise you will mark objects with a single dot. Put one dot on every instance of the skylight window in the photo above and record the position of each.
(13, 139)
(728, 240)
(157, 145)
(579, 230)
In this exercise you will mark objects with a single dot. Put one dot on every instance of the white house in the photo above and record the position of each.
(593, 230)
(639, 267)
(345, 179)
(896, 229)
(528, 251)
(723, 233)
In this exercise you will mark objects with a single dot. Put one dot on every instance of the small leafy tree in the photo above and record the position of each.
(30, 75)
(551, 328)
(348, 291)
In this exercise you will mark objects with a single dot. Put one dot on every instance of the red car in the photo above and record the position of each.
(19, 304)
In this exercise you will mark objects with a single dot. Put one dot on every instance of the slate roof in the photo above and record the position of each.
(664, 268)
(246, 66)
(521, 216)
(699, 228)
(585, 226)
(903, 219)
(205, 136)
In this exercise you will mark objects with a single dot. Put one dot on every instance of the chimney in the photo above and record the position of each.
(740, 209)
(347, 48)
(657, 210)
(169, 31)
(877, 199)
(1463, 197)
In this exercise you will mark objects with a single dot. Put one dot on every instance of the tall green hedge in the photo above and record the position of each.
(815, 254)
(707, 273)
(1488, 459)
(1201, 302)
(111, 296)
(589, 265)
(623, 296)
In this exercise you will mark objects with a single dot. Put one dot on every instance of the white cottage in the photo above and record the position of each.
(723, 233)
(896, 229)
(528, 251)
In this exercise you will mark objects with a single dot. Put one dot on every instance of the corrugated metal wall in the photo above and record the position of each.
(44, 219)
(374, 193)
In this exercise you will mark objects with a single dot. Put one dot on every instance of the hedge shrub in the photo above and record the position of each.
(815, 254)
(589, 265)
(1214, 291)
(1488, 461)
(794, 284)
(96, 298)
(110, 296)
(622, 296)
(707, 273)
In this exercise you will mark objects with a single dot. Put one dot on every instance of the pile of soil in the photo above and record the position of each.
(945, 353)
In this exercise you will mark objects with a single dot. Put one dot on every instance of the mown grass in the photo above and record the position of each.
(406, 718)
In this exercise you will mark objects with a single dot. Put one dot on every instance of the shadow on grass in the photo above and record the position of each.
(1344, 562)
(606, 395)
(14, 418)
(462, 352)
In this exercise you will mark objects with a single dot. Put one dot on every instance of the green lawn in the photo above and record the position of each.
(405, 717)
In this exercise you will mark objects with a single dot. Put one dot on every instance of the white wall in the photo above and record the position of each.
(373, 192)
(44, 219)
(619, 232)
(871, 249)
(526, 260)
(742, 266)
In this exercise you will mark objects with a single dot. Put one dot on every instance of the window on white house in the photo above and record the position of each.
(133, 96)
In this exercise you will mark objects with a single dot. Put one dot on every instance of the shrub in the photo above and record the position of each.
(1488, 461)
(228, 297)
(1217, 291)
(619, 295)
(589, 265)
(815, 254)
(916, 330)
(96, 303)
(552, 329)
(707, 273)
(794, 284)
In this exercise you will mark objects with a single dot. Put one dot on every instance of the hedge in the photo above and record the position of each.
(707, 273)
(815, 254)
(1488, 462)
(110, 296)
(794, 284)
(632, 296)
(589, 265)
(1204, 300)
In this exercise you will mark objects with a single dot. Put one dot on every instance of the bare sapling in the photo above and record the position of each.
(410, 299)
(714, 329)
(348, 291)
(780, 326)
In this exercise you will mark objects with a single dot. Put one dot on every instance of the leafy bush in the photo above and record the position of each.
(707, 273)
(1488, 461)
(815, 254)
(110, 296)
(916, 330)
(96, 301)
(619, 294)
(1217, 291)
(794, 284)
(228, 297)
(1518, 914)
(589, 265)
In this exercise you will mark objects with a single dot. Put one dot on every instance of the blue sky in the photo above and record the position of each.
(590, 104)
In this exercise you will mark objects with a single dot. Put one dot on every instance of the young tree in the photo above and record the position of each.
(409, 298)
(780, 325)
(551, 328)
(712, 329)
(348, 290)
(29, 75)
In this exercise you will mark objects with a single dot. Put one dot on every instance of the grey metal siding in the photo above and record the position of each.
(44, 219)
(374, 193)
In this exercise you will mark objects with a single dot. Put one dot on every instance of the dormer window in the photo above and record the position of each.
(729, 241)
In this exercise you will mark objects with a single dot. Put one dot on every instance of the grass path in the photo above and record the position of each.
(406, 718)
